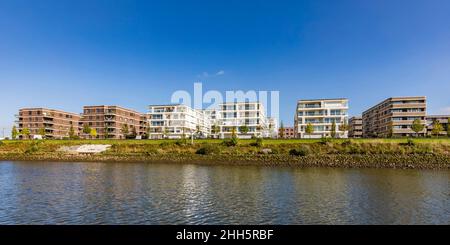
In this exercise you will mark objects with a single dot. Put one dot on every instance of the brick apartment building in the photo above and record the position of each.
(52, 123)
(109, 121)
(394, 116)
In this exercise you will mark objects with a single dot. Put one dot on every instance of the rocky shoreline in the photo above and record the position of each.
(414, 161)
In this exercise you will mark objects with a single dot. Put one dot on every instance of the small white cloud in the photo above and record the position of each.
(206, 74)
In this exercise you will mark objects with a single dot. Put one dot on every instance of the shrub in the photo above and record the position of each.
(164, 144)
(325, 140)
(1, 142)
(230, 142)
(181, 142)
(302, 151)
(32, 149)
(258, 142)
(208, 150)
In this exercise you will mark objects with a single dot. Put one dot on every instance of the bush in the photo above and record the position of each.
(1, 142)
(230, 142)
(258, 142)
(164, 144)
(302, 151)
(181, 142)
(325, 140)
(32, 149)
(208, 150)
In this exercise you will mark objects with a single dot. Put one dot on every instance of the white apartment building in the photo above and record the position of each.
(176, 121)
(240, 115)
(321, 113)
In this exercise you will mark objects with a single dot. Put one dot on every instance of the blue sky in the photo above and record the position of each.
(66, 54)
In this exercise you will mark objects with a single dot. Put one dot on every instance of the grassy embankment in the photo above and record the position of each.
(423, 153)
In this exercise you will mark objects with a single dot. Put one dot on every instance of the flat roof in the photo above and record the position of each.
(322, 99)
(48, 109)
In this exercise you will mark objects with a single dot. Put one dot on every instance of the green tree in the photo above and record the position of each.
(233, 133)
(309, 129)
(390, 132)
(26, 133)
(417, 126)
(343, 127)
(243, 129)
(14, 133)
(71, 132)
(215, 129)
(106, 131)
(41, 132)
(86, 129)
(133, 133)
(437, 128)
(125, 130)
(281, 132)
(165, 132)
(93, 133)
(333, 129)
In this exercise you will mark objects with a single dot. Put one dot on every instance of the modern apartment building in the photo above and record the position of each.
(242, 117)
(355, 127)
(321, 113)
(442, 119)
(113, 122)
(394, 117)
(286, 133)
(177, 121)
(52, 123)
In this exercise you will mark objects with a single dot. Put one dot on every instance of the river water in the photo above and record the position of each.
(127, 193)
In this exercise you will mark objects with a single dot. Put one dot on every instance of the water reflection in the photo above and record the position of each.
(123, 193)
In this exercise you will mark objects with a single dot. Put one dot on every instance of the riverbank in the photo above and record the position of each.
(361, 153)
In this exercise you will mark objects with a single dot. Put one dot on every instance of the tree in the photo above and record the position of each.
(165, 132)
(41, 132)
(106, 133)
(215, 129)
(86, 129)
(93, 133)
(344, 127)
(133, 133)
(309, 129)
(14, 133)
(125, 130)
(390, 132)
(71, 132)
(281, 130)
(243, 129)
(333, 129)
(233, 132)
(26, 133)
(437, 128)
(417, 126)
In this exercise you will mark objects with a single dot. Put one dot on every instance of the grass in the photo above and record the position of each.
(416, 152)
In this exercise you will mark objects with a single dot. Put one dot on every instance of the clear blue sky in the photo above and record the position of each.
(66, 54)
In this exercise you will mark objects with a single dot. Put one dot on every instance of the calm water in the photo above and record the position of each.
(110, 193)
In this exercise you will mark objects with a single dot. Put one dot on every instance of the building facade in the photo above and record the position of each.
(177, 121)
(113, 122)
(321, 113)
(442, 119)
(272, 127)
(355, 127)
(394, 117)
(287, 133)
(246, 119)
(48, 123)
